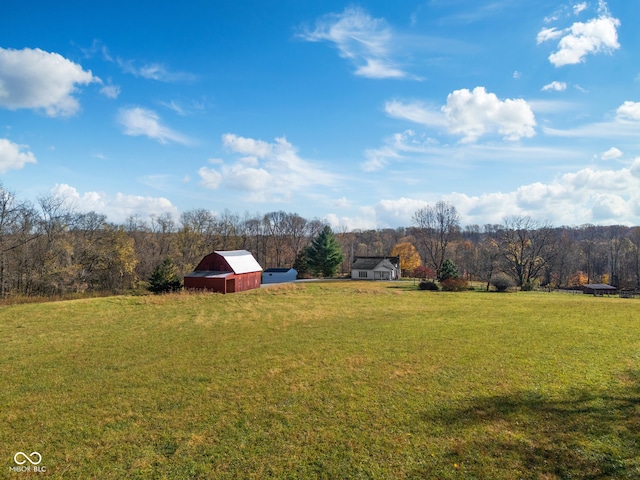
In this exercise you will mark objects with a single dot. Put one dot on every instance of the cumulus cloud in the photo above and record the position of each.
(629, 111)
(210, 178)
(364, 41)
(555, 86)
(117, 208)
(598, 35)
(14, 156)
(612, 154)
(472, 114)
(476, 113)
(35, 79)
(267, 171)
(138, 121)
(589, 195)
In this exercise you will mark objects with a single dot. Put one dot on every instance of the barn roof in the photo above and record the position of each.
(240, 261)
(208, 274)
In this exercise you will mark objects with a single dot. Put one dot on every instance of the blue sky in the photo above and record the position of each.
(355, 113)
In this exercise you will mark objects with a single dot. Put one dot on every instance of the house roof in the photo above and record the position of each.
(240, 261)
(371, 263)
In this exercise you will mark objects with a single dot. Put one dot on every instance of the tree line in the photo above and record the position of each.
(50, 248)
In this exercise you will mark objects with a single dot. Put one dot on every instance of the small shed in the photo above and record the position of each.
(225, 272)
(375, 268)
(279, 275)
(599, 289)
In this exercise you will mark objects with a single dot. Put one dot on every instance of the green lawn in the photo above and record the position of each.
(324, 380)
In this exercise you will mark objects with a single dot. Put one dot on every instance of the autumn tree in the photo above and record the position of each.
(409, 257)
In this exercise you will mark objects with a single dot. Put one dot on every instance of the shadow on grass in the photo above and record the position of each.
(584, 434)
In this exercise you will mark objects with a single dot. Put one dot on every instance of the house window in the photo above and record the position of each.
(363, 274)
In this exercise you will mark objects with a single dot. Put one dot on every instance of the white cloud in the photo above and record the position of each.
(117, 208)
(416, 112)
(585, 196)
(556, 86)
(363, 40)
(13, 156)
(476, 113)
(154, 71)
(184, 108)
(138, 121)
(579, 8)
(267, 171)
(35, 79)
(364, 222)
(210, 178)
(629, 111)
(548, 34)
(612, 154)
(110, 91)
(581, 39)
(396, 146)
(471, 114)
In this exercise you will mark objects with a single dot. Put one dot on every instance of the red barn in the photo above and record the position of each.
(225, 272)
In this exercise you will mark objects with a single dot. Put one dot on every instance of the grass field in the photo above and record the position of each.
(323, 380)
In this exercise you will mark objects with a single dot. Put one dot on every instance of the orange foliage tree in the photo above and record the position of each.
(409, 257)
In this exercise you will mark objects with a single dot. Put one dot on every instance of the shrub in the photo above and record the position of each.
(428, 285)
(530, 285)
(424, 272)
(455, 285)
(502, 282)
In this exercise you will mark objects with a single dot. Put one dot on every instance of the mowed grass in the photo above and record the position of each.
(324, 380)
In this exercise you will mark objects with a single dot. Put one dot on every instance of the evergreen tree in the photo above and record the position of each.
(301, 263)
(164, 278)
(449, 270)
(324, 255)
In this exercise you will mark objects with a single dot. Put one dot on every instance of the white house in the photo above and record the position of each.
(375, 268)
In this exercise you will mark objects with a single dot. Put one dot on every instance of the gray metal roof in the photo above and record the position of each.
(208, 274)
(371, 263)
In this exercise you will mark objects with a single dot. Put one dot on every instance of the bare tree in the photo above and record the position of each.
(526, 246)
(436, 226)
(17, 228)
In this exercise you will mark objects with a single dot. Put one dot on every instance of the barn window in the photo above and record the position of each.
(363, 274)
